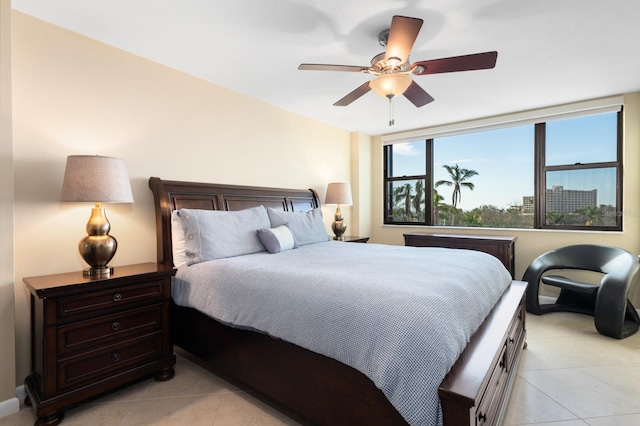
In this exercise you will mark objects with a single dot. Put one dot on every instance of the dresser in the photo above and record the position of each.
(90, 335)
(502, 247)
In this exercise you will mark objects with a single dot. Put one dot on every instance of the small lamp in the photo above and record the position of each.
(338, 193)
(93, 178)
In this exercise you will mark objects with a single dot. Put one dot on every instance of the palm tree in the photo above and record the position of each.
(591, 215)
(437, 202)
(458, 180)
(554, 218)
(404, 193)
(417, 200)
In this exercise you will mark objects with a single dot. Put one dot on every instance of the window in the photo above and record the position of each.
(580, 176)
(406, 186)
(561, 174)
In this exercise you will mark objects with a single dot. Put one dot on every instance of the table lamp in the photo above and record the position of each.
(97, 179)
(338, 193)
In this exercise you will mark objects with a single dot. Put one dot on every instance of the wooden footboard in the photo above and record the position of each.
(476, 390)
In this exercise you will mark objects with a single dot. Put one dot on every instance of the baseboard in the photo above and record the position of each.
(20, 392)
(10, 406)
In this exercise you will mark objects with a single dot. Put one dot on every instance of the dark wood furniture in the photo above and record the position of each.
(90, 335)
(354, 239)
(504, 248)
(321, 389)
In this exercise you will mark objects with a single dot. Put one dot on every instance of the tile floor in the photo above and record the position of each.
(569, 375)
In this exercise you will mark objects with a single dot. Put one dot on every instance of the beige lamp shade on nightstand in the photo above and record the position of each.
(338, 193)
(97, 179)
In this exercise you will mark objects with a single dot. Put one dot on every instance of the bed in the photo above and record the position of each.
(318, 387)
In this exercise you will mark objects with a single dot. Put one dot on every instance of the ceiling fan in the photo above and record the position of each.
(393, 71)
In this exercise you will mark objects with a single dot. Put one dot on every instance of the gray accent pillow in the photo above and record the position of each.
(307, 227)
(213, 234)
(277, 239)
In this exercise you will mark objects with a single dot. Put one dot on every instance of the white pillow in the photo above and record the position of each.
(214, 234)
(177, 240)
(277, 239)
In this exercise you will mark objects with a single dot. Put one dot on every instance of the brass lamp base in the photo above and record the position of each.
(96, 272)
(339, 226)
(98, 248)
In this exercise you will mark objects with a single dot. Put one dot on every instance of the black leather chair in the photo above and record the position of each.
(613, 313)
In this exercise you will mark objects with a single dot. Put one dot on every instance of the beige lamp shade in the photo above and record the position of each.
(94, 178)
(338, 193)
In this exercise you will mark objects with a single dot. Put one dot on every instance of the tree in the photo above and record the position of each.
(472, 218)
(437, 202)
(555, 218)
(404, 193)
(417, 200)
(458, 179)
(591, 215)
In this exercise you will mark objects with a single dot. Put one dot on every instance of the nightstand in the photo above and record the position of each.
(354, 239)
(90, 335)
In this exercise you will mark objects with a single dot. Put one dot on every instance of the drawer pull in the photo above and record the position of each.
(482, 417)
(115, 357)
(117, 297)
(115, 326)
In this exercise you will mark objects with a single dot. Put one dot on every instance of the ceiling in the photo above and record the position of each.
(550, 52)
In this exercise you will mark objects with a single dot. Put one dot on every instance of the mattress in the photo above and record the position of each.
(400, 315)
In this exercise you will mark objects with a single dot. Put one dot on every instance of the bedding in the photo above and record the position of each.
(307, 227)
(212, 234)
(400, 315)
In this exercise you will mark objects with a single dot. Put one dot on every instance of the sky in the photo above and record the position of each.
(503, 159)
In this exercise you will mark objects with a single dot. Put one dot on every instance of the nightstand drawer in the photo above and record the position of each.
(95, 333)
(91, 367)
(96, 303)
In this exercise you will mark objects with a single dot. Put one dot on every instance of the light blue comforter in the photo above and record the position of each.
(400, 315)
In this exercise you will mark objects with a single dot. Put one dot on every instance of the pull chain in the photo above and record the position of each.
(391, 118)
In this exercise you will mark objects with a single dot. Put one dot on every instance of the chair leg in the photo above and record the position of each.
(631, 321)
(618, 326)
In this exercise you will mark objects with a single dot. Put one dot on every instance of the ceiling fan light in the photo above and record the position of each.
(389, 85)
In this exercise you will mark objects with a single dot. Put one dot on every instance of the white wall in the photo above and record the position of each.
(73, 95)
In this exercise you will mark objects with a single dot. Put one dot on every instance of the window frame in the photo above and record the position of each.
(540, 173)
(540, 176)
(388, 183)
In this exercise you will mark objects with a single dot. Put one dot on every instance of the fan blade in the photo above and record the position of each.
(323, 67)
(353, 95)
(417, 95)
(402, 35)
(476, 61)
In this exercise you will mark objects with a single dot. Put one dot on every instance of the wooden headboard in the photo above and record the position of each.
(173, 195)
